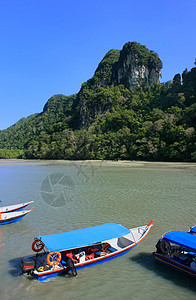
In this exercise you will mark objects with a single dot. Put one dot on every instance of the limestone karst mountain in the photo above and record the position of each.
(122, 112)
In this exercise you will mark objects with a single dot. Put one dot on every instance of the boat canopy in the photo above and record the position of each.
(181, 238)
(193, 229)
(83, 237)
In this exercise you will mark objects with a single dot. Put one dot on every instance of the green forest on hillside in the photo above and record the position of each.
(155, 123)
(149, 123)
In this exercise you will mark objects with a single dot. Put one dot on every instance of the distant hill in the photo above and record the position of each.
(122, 112)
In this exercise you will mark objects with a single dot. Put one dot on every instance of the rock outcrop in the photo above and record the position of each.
(134, 66)
(137, 67)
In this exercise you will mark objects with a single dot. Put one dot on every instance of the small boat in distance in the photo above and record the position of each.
(13, 217)
(15, 207)
(177, 249)
(69, 251)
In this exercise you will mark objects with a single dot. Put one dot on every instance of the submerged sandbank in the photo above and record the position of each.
(125, 163)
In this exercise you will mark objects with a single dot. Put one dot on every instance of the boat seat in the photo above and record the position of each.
(112, 249)
(97, 253)
(182, 257)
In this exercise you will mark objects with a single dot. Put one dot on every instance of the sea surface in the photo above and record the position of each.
(72, 195)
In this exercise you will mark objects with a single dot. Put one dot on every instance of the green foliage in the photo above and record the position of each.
(104, 70)
(8, 154)
(103, 74)
(56, 116)
(150, 123)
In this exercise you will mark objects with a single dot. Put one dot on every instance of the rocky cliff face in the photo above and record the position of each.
(134, 66)
(137, 67)
(134, 75)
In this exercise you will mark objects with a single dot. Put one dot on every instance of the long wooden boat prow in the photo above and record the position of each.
(15, 207)
(13, 217)
(69, 251)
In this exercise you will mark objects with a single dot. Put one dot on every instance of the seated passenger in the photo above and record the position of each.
(71, 255)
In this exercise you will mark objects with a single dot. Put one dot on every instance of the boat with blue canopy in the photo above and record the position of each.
(177, 249)
(68, 252)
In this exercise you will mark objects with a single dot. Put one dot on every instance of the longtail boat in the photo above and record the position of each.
(177, 249)
(68, 252)
(13, 217)
(15, 207)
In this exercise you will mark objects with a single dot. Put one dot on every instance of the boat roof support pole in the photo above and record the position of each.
(133, 236)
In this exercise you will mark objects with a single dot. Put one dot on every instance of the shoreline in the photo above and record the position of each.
(131, 163)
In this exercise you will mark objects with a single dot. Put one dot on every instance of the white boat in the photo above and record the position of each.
(13, 217)
(15, 207)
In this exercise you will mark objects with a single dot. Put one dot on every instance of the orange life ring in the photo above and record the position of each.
(165, 247)
(37, 245)
(53, 258)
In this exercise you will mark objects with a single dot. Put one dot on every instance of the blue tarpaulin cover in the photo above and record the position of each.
(181, 238)
(83, 237)
(193, 229)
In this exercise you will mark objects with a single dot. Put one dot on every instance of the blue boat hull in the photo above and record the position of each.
(82, 266)
(13, 220)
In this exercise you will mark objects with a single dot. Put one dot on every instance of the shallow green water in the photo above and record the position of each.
(88, 194)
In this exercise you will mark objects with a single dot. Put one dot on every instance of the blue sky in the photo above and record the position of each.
(52, 46)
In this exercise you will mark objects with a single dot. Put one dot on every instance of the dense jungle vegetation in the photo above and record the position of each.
(150, 123)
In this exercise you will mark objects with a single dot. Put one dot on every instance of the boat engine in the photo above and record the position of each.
(28, 265)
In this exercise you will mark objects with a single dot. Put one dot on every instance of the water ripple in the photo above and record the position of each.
(128, 194)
